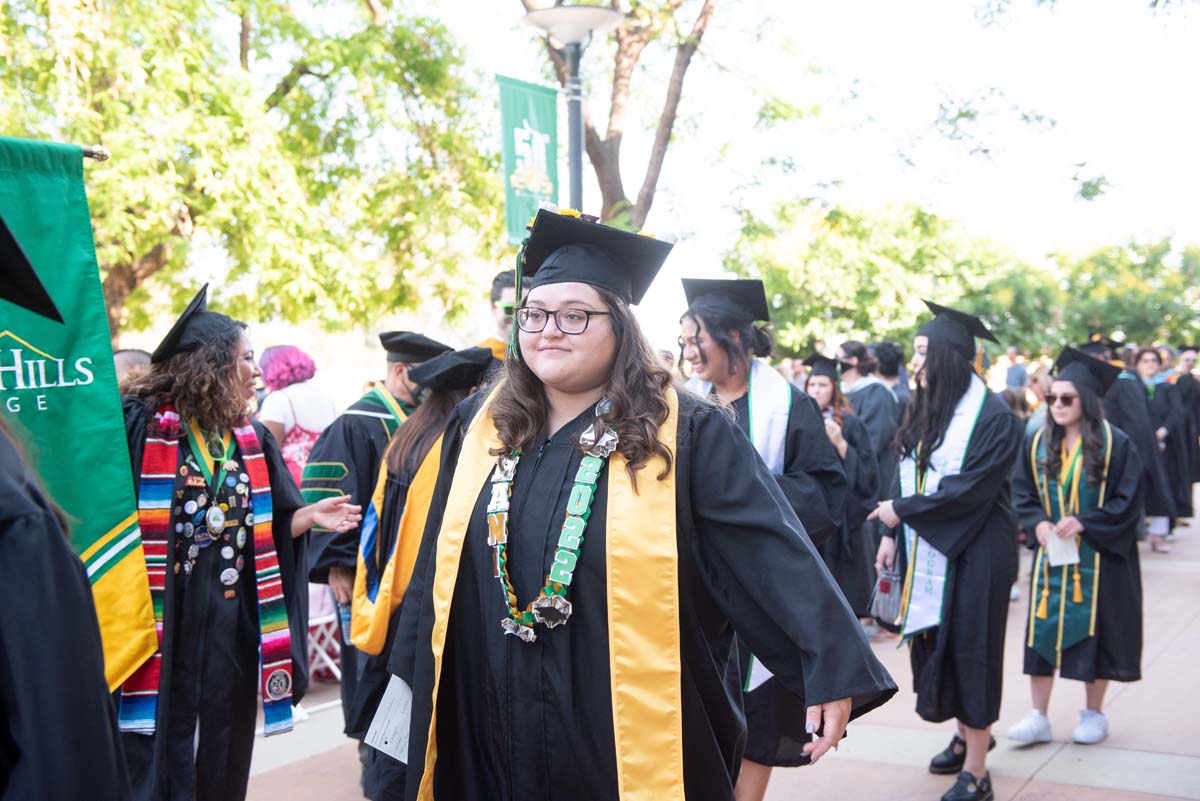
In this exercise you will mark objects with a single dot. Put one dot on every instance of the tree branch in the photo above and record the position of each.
(244, 42)
(378, 13)
(662, 137)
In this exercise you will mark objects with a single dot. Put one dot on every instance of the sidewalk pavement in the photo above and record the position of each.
(1153, 749)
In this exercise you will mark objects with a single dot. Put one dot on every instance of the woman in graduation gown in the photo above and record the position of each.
(1079, 479)
(392, 528)
(850, 554)
(222, 527)
(958, 551)
(1168, 419)
(58, 734)
(719, 342)
(587, 652)
(1127, 407)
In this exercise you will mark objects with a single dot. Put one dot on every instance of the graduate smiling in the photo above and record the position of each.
(593, 541)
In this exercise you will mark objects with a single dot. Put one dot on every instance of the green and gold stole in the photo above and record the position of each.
(1062, 609)
(642, 599)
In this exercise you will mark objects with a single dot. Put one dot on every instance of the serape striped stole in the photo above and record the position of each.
(139, 695)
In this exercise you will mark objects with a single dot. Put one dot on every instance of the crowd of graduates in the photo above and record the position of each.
(590, 572)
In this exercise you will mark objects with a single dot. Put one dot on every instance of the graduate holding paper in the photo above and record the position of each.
(1078, 482)
(957, 548)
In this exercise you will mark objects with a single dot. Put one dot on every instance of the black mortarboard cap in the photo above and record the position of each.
(1104, 340)
(822, 365)
(562, 248)
(740, 297)
(196, 326)
(20, 283)
(1085, 372)
(957, 329)
(459, 369)
(406, 346)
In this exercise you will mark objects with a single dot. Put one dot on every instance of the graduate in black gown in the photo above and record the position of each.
(1189, 394)
(1079, 479)
(409, 474)
(345, 461)
(58, 726)
(953, 517)
(719, 342)
(850, 555)
(1170, 426)
(591, 655)
(1127, 407)
(205, 499)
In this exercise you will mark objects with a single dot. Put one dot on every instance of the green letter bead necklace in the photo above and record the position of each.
(551, 607)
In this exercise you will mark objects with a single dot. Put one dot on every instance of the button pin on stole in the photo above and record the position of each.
(229, 576)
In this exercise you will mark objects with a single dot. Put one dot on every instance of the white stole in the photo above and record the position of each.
(770, 400)
(927, 566)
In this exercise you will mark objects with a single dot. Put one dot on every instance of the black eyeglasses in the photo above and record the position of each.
(532, 320)
(1067, 398)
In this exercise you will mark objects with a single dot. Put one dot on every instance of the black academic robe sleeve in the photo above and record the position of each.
(1126, 407)
(345, 443)
(753, 557)
(57, 722)
(814, 479)
(950, 518)
(292, 553)
(862, 472)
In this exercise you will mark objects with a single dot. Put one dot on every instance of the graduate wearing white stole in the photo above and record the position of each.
(954, 539)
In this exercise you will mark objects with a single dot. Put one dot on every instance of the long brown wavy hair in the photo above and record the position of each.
(637, 387)
(837, 401)
(202, 383)
(412, 441)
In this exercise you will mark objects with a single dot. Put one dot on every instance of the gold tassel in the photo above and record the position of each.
(979, 362)
(1078, 596)
(1043, 610)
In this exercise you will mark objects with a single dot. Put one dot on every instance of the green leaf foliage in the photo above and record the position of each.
(345, 173)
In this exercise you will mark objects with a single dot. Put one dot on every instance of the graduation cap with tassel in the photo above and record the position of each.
(567, 246)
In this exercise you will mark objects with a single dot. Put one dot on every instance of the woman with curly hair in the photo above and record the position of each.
(295, 411)
(594, 540)
(223, 532)
(1078, 482)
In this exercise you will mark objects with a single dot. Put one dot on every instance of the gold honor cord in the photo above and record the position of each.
(643, 609)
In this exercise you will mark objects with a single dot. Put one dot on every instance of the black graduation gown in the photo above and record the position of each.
(58, 727)
(813, 480)
(354, 443)
(1127, 408)
(1189, 397)
(1189, 393)
(879, 410)
(850, 555)
(533, 721)
(383, 776)
(958, 667)
(814, 483)
(1115, 652)
(210, 661)
(1166, 411)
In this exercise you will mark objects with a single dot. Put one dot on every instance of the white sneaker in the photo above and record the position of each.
(1035, 728)
(1015, 593)
(1092, 728)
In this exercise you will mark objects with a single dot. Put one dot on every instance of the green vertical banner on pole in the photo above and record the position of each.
(529, 120)
(58, 388)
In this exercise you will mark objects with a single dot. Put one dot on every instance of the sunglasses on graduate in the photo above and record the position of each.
(1067, 398)
(532, 320)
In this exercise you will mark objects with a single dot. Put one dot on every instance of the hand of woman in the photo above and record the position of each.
(886, 514)
(1068, 527)
(336, 514)
(832, 717)
(1044, 531)
(833, 431)
(885, 557)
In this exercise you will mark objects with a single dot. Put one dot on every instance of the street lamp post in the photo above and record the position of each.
(572, 28)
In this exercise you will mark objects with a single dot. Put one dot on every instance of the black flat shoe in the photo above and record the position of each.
(951, 760)
(968, 788)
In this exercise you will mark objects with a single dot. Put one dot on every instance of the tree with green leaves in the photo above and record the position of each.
(323, 164)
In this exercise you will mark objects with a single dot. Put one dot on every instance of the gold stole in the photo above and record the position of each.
(643, 608)
(369, 620)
